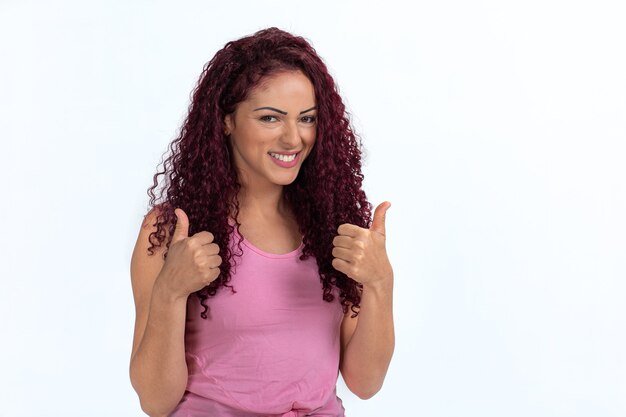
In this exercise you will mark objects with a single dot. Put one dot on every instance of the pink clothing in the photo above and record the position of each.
(271, 349)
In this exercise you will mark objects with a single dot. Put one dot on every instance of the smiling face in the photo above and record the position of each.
(277, 121)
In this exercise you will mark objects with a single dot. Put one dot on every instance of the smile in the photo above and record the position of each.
(284, 158)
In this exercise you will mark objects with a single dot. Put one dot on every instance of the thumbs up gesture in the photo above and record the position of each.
(360, 253)
(192, 262)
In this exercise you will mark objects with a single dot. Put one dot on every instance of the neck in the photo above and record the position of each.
(262, 201)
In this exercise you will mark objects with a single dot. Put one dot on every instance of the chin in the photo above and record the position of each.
(286, 180)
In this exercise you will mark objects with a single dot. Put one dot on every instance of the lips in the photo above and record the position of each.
(285, 161)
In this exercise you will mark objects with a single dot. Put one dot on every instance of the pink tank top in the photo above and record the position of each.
(269, 350)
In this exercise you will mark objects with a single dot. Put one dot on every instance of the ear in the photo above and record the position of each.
(228, 124)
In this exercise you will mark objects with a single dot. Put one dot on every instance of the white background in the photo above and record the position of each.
(495, 128)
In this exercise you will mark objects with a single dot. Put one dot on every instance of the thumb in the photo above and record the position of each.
(378, 223)
(182, 226)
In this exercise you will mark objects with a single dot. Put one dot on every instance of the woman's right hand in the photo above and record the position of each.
(191, 263)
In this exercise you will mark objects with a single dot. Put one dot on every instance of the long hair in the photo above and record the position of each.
(200, 176)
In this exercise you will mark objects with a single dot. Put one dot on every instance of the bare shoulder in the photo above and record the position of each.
(141, 256)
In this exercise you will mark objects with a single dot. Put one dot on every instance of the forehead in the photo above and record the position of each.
(287, 86)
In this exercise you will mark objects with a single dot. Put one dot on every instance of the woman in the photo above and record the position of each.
(263, 197)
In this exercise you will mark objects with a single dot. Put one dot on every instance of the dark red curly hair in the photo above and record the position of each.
(201, 177)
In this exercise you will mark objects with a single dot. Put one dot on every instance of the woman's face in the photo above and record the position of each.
(277, 121)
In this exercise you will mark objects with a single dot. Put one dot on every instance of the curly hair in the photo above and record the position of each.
(200, 176)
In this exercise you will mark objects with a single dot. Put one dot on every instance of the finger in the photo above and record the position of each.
(212, 261)
(344, 254)
(211, 249)
(348, 229)
(343, 241)
(215, 261)
(182, 226)
(204, 237)
(341, 265)
(378, 223)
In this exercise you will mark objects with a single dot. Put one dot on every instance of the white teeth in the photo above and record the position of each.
(283, 158)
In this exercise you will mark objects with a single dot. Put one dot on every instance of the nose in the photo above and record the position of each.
(290, 137)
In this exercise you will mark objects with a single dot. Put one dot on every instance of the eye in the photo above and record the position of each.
(263, 118)
(312, 119)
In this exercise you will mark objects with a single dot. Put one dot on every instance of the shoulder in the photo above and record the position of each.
(143, 257)
(150, 219)
(150, 222)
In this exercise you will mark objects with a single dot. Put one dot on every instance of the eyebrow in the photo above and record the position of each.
(283, 112)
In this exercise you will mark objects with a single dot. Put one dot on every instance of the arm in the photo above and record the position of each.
(368, 340)
(158, 370)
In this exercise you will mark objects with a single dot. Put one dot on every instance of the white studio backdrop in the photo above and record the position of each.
(495, 128)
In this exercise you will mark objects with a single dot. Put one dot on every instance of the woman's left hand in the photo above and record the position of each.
(360, 253)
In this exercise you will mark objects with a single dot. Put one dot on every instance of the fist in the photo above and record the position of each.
(361, 253)
(192, 261)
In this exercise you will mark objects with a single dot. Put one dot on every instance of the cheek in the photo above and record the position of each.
(310, 138)
(255, 139)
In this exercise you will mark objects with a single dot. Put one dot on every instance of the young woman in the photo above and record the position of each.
(263, 197)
